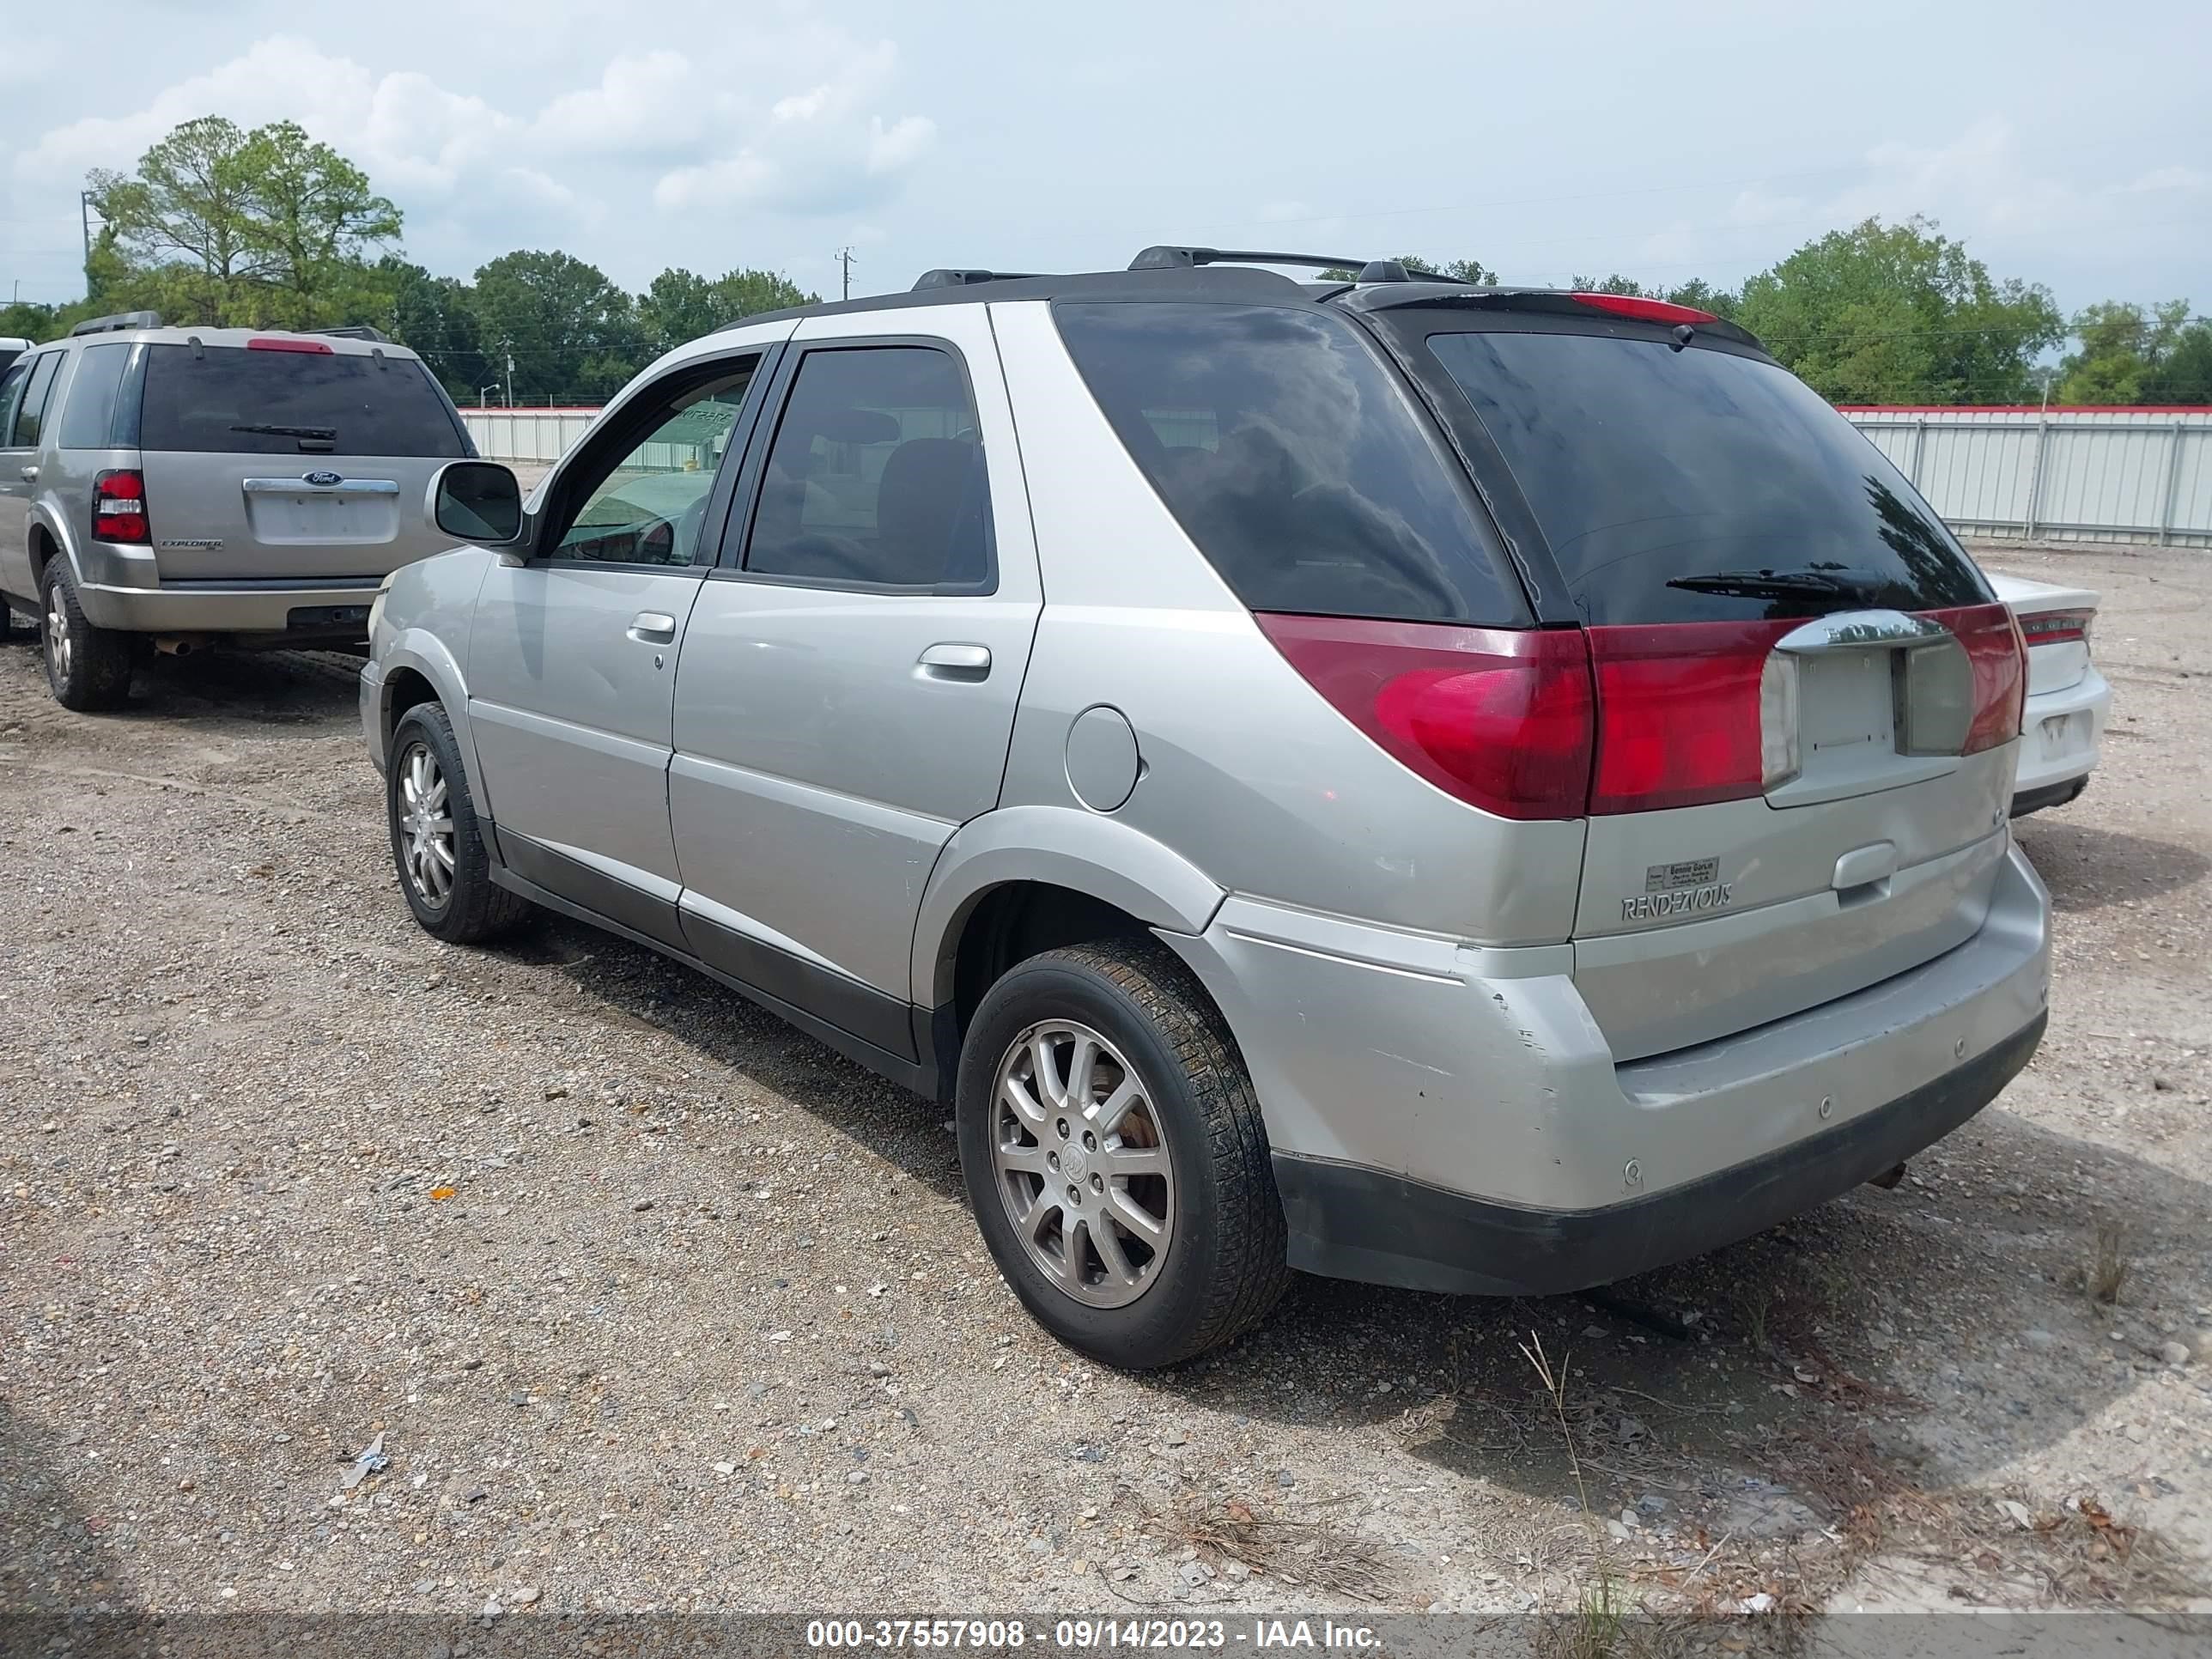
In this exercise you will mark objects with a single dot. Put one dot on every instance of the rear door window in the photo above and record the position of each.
(30, 413)
(88, 419)
(242, 400)
(876, 476)
(1293, 459)
(1645, 466)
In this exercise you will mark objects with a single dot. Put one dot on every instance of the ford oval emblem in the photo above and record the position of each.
(324, 480)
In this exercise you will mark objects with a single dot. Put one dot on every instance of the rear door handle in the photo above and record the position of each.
(949, 661)
(653, 628)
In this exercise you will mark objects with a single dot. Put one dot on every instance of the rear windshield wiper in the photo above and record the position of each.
(1770, 584)
(321, 434)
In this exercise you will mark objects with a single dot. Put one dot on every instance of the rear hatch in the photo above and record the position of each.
(291, 457)
(1806, 693)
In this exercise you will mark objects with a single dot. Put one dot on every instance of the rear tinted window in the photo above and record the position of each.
(1292, 459)
(232, 399)
(1644, 464)
(89, 416)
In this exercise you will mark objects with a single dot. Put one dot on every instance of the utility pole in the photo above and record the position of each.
(510, 377)
(84, 224)
(845, 261)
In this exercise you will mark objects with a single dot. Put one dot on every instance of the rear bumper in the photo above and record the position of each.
(121, 587)
(288, 610)
(1351, 1223)
(2060, 732)
(1450, 1118)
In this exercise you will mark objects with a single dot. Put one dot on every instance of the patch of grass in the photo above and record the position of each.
(2108, 1263)
(1293, 1551)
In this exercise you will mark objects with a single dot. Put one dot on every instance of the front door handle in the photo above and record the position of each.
(949, 661)
(653, 628)
(28, 472)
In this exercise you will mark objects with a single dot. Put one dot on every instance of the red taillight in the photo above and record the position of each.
(119, 506)
(1500, 718)
(2055, 626)
(278, 343)
(1678, 721)
(1649, 310)
(1999, 660)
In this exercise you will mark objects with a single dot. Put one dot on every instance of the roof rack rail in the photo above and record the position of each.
(354, 332)
(960, 277)
(1167, 257)
(121, 320)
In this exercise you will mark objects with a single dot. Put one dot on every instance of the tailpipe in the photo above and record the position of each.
(1888, 1178)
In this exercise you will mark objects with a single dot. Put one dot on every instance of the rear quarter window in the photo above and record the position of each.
(88, 419)
(1644, 464)
(1293, 459)
(240, 401)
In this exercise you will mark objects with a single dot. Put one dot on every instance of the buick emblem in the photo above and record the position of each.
(324, 480)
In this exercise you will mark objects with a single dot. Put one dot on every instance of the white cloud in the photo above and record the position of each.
(452, 159)
(823, 150)
(2164, 178)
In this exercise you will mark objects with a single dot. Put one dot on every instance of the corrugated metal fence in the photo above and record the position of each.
(2100, 475)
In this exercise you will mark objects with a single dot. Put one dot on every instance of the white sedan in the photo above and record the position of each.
(2067, 698)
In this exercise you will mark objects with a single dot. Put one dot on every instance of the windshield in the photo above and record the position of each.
(1669, 482)
(240, 401)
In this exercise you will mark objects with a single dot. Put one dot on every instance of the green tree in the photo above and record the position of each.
(574, 334)
(2128, 355)
(436, 316)
(24, 319)
(680, 304)
(217, 225)
(1899, 313)
(2186, 376)
(311, 218)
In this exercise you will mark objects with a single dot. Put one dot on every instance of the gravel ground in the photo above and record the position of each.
(655, 1303)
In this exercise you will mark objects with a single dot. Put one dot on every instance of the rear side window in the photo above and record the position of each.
(30, 413)
(1292, 459)
(1645, 466)
(876, 475)
(88, 419)
(243, 401)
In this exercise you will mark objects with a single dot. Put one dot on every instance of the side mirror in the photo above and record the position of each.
(478, 502)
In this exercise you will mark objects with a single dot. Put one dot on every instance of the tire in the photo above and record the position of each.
(452, 896)
(1222, 1265)
(87, 668)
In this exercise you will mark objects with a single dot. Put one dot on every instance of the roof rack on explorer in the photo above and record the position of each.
(127, 319)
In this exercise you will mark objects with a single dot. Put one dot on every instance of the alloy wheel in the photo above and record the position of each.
(1079, 1155)
(426, 824)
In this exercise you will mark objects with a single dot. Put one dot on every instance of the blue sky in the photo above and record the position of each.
(2068, 144)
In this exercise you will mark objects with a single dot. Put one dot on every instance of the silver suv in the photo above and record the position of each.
(194, 485)
(1476, 789)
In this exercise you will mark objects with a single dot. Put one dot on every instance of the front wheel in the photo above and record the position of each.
(87, 668)
(1113, 1151)
(437, 842)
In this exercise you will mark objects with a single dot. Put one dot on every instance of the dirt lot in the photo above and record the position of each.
(656, 1304)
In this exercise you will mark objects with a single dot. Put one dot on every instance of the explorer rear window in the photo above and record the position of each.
(1293, 460)
(242, 401)
(1644, 464)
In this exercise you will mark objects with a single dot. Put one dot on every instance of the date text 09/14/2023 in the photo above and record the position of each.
(1086, 1635)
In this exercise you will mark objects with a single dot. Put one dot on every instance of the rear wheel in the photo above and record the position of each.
(1114, 1153)
(87, 668)
(437, 843)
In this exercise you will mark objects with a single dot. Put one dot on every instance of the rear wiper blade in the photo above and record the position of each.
(325, 434)
(1768, 584)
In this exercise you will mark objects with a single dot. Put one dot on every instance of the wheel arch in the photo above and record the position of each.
(418, 668)
(1049, 874)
